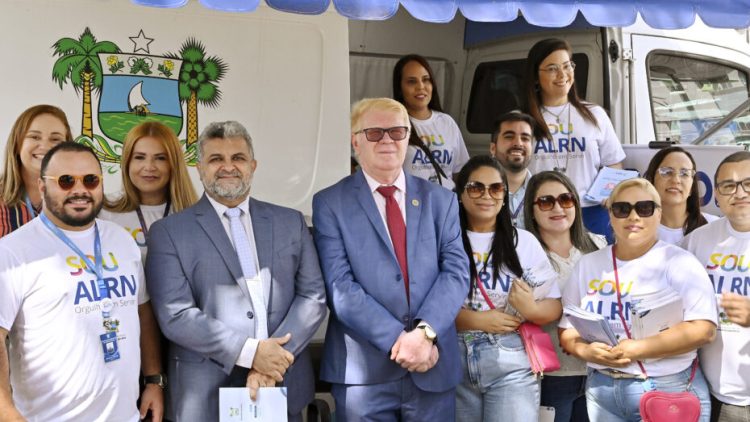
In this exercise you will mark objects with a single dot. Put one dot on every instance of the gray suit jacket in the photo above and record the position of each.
(203, 306)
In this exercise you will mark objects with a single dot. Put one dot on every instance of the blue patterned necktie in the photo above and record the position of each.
(247, 261)
(241, 242)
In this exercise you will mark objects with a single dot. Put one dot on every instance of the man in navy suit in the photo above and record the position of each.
(396, 275)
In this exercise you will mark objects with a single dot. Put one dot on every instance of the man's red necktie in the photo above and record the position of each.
(397, 229)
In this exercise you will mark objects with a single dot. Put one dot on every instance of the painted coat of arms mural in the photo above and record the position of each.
(137, 87)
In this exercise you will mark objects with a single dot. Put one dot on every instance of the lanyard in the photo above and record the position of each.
(514, 214)
(30, 207)
(142, 221)
(107, 303)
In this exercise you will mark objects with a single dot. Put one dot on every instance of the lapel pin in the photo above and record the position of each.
(415, 202)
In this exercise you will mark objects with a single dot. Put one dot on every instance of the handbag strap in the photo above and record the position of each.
(484, 293)
(415, 141)
(627, 330)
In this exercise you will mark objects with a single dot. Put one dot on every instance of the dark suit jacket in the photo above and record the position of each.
(203, 306)
(365, 287)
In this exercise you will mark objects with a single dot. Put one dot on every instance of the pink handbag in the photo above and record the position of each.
(658, 406)
(538, 344)
(539, 348)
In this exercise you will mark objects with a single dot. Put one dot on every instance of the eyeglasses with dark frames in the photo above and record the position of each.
(729, 187)
(547, 202)
(642, 208)
(476, 190)
(67, 182)
(376, 134)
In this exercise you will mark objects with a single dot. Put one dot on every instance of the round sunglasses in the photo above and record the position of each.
(642, 208)
(476, 190)
(66, 181)
(547, 202)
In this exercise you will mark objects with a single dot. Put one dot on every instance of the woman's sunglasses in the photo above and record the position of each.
(476, 190)
(66, 181)
(642, 208)
(547, 202)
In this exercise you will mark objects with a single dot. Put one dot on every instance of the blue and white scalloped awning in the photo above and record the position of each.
(663, 14)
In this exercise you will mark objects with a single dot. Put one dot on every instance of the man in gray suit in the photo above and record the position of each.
(236, 286)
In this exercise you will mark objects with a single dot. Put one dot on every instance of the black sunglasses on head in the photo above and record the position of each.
(642, 208)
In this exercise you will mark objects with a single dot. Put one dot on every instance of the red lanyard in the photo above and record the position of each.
(625, 326)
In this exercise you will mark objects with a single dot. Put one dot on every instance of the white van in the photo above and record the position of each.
(658, 85)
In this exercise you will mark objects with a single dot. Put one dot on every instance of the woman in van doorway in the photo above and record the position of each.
(574, 137)
(35, 132)
(436, 148)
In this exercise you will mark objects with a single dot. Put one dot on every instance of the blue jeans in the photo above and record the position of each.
(567, 395)
(596, 220)
(498, 383)
(616, 400)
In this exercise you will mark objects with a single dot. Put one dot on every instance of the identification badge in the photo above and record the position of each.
(648, 385)
(109, 346)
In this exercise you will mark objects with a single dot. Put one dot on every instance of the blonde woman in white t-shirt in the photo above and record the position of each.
(673, 173)
(553, 212)
(609, 281)
(155, 183)
(497, 377)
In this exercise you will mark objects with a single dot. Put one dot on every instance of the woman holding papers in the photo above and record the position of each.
(553, 212)
(574, 137)
(672, 171)
(511, 281)
(616, 284)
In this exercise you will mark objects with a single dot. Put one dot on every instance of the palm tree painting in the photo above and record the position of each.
(197, 82)
(79, 63)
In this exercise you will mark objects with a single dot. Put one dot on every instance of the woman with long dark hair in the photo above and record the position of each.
(436, 148)
(672, 171)
(35, 131)
(511, 281)
(552, 210)
(573, 136)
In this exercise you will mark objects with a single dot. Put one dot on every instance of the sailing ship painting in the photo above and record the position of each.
(138, 88)
(136, 103)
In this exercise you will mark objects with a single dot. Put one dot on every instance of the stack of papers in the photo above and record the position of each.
(652, 313)
(605, 181)
(534, 278)
(592, 327)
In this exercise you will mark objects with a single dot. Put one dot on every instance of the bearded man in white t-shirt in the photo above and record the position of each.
(71, 292)
(723, 246)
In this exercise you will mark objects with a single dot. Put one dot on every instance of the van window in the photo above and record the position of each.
(498, 88)
(689, 95)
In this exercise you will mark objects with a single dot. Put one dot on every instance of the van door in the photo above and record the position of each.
(683, 87)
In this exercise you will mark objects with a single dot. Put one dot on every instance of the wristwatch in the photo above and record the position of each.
(429, 333)
(158, 379)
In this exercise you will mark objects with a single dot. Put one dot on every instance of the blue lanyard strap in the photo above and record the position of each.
(30, 207)
(97, 268)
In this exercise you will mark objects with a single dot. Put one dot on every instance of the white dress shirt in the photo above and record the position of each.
(399, 195)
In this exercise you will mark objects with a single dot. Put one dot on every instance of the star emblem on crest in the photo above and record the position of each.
(141, 42)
